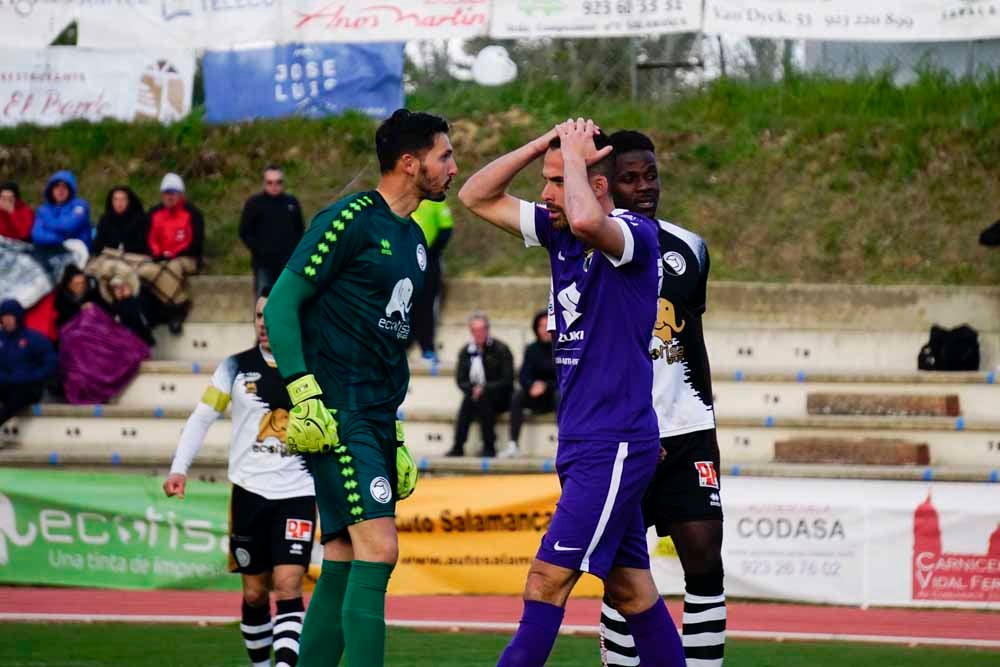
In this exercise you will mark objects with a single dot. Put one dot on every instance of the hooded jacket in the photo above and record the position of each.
(55, 223)
(128, 231)
(176, 231)
(26, 356)
(16, 224)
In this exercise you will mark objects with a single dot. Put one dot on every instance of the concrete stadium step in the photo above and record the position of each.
(179, 384)
(128, 431)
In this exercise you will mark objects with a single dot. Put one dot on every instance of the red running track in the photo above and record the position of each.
(956, 626)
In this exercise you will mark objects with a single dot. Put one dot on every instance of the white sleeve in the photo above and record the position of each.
(192, 437)
(213, 403)
(629, 249)
(528, 230)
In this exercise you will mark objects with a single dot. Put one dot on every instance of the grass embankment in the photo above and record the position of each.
(102, 645)
(805, 180)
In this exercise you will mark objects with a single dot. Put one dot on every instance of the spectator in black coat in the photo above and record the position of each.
(271, 226)
(486, 377)
(124, 225)
(27, 361)
(76, 289)
(538, 390)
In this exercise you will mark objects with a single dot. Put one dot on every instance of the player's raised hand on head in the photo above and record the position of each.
(541, 144)
(174, 485)
(577, 138)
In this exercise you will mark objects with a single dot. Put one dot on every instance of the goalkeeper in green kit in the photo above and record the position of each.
(339, 322)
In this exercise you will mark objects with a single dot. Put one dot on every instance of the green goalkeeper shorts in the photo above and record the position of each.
(357, 481)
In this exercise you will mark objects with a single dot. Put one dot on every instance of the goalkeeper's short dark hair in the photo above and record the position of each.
(625, 141)
(404, 132)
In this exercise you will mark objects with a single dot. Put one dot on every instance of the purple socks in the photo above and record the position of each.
(656, 637)
(536, 635)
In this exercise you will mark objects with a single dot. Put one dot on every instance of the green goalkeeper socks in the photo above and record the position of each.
(364, 614)
(322, 641)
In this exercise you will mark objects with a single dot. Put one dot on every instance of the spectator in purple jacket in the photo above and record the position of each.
(64, 215)
(27, 361)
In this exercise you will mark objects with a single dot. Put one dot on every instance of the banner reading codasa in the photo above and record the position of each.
(303, 79)
(58, 84)
(111, 531)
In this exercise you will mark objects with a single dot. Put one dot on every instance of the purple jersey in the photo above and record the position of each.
(603, 310)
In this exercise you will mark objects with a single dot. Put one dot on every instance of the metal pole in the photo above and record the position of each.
(633, 69)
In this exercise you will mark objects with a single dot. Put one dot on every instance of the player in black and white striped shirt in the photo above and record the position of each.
(683, 499)
(273, 506)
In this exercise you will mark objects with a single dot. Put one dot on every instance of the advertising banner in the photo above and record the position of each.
(594, 18)
(221, 24)
(303, 79)
(856, 20)
(33, 24)
(61, 83)
(111, 531)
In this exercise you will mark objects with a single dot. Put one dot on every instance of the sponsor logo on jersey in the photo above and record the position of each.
(399, 304)
(569, 299)
(298, 529)
(380, 490)
(674, 263)
(421, 257)
(571, 336)
(706, 474)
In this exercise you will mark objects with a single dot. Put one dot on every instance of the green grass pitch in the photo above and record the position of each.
(117, 645)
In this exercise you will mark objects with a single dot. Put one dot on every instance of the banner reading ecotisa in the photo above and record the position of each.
(62, 83)
(856, 20)
(303, 79)
(111, 531)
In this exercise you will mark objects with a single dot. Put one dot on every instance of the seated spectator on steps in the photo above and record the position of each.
(27, 361)
(124, 226)
(176, 236)
(76, 290)
(16, 217)
(486, 377)
(538, 391)
(130, 306)
(63, 215)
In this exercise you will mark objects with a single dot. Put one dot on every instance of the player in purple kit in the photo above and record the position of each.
(604, 278)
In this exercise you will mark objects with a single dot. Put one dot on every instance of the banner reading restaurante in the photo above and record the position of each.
(58, 84)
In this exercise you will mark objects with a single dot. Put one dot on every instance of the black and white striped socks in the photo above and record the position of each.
(287, 629)
(704, 633)
(256, 628)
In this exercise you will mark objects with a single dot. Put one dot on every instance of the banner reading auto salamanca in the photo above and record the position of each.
(54, 85)
(219, 24)
(856, 20)
(594, 18)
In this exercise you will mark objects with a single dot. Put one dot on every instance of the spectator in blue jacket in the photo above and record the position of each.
(27, 361)
(64, 215)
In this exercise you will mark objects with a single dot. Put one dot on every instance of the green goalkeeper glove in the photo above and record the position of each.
(406, 467)
(311, 426)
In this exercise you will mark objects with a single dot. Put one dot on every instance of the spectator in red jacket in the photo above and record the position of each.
(176, 237)
(16, 217)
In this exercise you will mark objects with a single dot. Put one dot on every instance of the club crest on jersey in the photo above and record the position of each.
(675, 264)
(707, 476)
(299, 529)
(421, 257)
(380, 490)
(242, 557)
(588, 259)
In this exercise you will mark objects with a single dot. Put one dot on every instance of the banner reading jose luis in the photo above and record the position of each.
(111, 531)
(303, 79)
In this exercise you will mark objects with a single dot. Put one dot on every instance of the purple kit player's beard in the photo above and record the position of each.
(558, 217)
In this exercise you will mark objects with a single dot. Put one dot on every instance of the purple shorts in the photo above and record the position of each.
(598, 521)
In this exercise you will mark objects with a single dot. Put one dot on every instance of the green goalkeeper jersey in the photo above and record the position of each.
(368, 267)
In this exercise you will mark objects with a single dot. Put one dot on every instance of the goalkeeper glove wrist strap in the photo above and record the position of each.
(303, 388)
